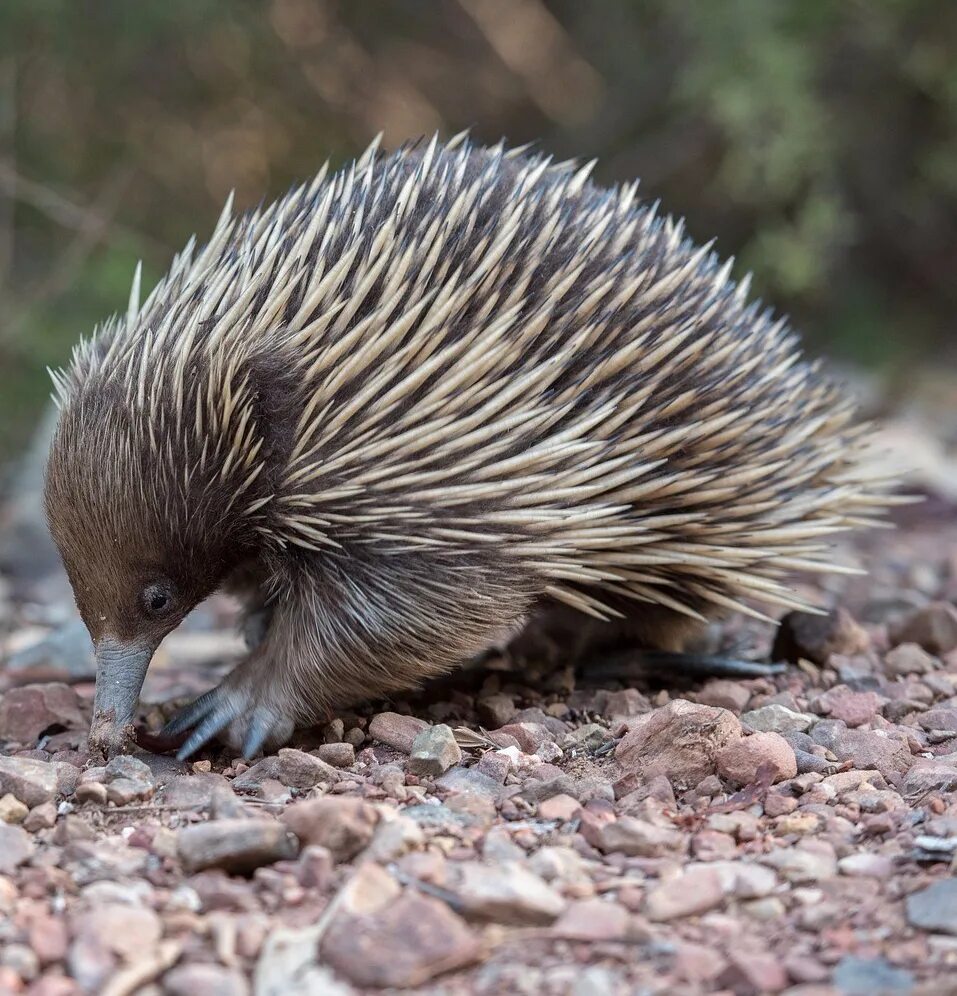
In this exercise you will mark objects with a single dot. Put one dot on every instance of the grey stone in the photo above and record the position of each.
(639, 838)
(934, 908)
(128, 766)
(192, 791)
(507, 893)
(236, 846)
(434, 751)
(777, 719)
(596, 980)
(459, 779)
(871, 977)
(300, 770)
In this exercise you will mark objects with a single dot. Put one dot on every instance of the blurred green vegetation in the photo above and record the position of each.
(817, 139)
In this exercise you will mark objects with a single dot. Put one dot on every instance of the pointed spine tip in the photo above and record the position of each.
(133, 308)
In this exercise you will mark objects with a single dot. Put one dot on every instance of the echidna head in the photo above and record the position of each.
(145, 533)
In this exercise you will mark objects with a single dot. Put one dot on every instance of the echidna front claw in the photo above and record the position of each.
(222, 714)
(262, 725)
(233, 713)
(190, 715)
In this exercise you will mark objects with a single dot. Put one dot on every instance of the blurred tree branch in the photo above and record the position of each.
(97, 222)
(63, 210)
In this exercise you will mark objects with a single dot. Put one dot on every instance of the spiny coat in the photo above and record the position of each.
(408, 404)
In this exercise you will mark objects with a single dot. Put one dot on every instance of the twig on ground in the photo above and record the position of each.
(129, 980)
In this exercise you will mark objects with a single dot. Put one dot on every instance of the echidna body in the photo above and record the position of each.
(411, 403)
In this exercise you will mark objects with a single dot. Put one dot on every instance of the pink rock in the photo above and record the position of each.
(933, 627)
(343, 825)
(504, 740)
(126, 931)
(506, 893)
(593, 920)
(939, 718)
(740, 761)
(908, 658)
(54, 984)
(639, 838)
(593, 819)
(494, 765)
(559, 807)
(779, 805)
(396, 730)
(811, 860)
(753, 972)
(32, 782)
(853, 708)
(864, 865)
(697, 963)
(27, 711)
(696, 891)
(297, 769)
(15, 848)
(528, 736)
(90, 962)
(725, 694)
(867, 749)
(48, 938)
(928, 775)
(680, 741)
(403, 944)
(712, 845)
(238, 846)
(314, 867)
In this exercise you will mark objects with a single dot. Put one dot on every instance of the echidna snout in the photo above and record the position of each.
(415, 402)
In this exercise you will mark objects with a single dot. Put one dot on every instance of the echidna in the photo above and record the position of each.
(410, 404)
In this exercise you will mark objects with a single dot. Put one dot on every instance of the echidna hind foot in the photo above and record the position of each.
(562, 635)
(647, 642)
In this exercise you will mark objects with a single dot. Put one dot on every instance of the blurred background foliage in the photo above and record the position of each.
(816, 139)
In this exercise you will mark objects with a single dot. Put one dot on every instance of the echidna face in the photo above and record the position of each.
(139, 551)
(135, 567)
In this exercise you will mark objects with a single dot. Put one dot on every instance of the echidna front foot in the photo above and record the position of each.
(242, 712)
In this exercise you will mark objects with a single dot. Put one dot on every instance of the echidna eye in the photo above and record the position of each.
(157, 600)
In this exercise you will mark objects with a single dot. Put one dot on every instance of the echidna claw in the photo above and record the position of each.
(261, 726)
(215, 722)
(190, 715)
(231, 714)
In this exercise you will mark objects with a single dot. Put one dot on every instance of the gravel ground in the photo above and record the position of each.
(518, 829)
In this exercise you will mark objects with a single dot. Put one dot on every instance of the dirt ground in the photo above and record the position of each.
(523, 827)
